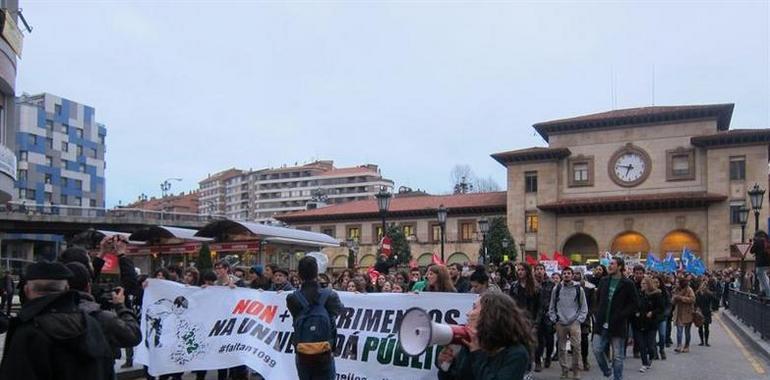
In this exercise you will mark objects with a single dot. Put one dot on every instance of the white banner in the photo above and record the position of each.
(188, 328)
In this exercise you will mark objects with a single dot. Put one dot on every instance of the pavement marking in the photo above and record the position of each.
(749, 357)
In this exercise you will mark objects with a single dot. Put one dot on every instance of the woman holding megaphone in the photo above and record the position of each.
(498, 346)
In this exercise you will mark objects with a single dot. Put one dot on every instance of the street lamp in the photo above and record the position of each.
(756, 196)
(743, 216)
(352, 245)
(442, 211)
(505, 243)
(484, 228)
(383, 203)
(165, 186)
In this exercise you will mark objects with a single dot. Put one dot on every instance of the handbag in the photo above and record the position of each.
(697, 318)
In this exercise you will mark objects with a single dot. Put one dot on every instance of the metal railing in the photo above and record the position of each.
(32, 209)
(752, 310)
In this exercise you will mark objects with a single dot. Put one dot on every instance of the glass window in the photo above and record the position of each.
(33, 139)
(354, 233)
(734, 210)
(65, 199)
(49, 125)
(580, 172)
(328, 231)
(79, 133)
(408, 230)
(30, 194)
(22, 174)
(82, 168)
(737, 168)
(377, 233)
(48, 197)
(92, 202)
(530, 182)
(467, 231)
(48, 179)
(79, 184)
(680, 165)
(64, 181)
(65, 129)
(531, 221)
(49, 143)
(49, 161)
(435, 234)
(65, 147)
(23, 155)
(57, 109)
(79, 150)
(78, 201)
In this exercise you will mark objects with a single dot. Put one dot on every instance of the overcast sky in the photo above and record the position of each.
(190, 88)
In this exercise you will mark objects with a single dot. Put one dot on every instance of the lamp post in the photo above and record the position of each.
(522, 246)
(505, 243)
(756, 196)
(484, 228)
(165, 186)
(441, 214)
(352, 245)
(383, 203)
(743, 216)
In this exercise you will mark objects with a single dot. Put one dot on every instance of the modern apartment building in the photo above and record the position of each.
(61, 149)
(10, 47)
(265, 193)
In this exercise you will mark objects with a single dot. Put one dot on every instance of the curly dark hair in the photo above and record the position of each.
(501, 323)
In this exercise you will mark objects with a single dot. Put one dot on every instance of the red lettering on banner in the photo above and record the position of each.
(263, 312)
(240, 308)
(269, 313)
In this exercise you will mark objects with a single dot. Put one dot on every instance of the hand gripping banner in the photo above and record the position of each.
(187, 328)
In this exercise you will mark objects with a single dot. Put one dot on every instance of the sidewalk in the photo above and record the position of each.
(746, 333)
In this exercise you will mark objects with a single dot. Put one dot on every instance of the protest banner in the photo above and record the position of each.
(188, 328)
(551, 266)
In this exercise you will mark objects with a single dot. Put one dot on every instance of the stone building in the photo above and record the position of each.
(360, 221)
(652, 179)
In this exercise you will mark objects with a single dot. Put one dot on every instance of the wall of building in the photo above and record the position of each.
(8, 159)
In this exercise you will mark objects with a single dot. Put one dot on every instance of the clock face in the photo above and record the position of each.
(630, 167)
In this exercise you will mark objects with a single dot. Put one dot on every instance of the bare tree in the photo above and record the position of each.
(459, 172)
(485, 185)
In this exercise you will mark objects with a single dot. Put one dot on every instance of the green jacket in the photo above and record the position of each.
(419, 286)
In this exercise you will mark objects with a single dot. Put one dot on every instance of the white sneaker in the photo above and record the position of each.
(643, 369)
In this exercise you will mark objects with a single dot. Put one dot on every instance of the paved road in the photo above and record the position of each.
(725, 359)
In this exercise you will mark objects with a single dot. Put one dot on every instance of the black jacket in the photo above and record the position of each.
(530, 303)
(624, 303)
(654, 303)
(52, 339)
(311, 291)
(120, 326)
(760, 251)
(463, 285)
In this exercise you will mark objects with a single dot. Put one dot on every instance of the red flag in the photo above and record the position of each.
(563, 261)
(531, 260)
(413, 264)
(543, 257)
(437, 260)
(373, 274)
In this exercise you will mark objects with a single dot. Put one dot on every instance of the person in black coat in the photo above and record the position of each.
(761, 250)
(704, 299)
(51, 338)
(317, 365)
(651, 312)
(618, 301)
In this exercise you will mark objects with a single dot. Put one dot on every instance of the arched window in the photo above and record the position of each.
(675, 241)
(630, 243)
(458, 257)
(367, 261)
(425, 259)
(581, 247)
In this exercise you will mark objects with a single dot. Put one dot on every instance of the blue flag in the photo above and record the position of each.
(652, 263)
(669, 264)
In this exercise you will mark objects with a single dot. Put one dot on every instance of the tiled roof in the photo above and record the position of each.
(408, 206)
(531, 154)
(633, 202)
(733, 137)
(631, 116)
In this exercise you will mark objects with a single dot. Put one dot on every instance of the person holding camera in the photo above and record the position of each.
(119, 325)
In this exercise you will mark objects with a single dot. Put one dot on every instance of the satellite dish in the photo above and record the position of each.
(321, 259)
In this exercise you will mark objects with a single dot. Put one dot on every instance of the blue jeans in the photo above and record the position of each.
(600, 346)
(319, 370)
(662, 335)
(764, 282)
(686, 330)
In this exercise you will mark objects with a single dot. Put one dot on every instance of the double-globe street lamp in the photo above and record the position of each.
(484, 229)
(441, 214)
(165, 186)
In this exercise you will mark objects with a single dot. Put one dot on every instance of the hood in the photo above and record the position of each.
(87, 303)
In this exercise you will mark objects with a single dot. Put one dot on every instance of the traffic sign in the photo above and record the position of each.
(743, 248)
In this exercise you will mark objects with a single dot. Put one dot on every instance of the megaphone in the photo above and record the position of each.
(418, 331)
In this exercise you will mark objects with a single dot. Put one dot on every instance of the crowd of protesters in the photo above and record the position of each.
(525, 320)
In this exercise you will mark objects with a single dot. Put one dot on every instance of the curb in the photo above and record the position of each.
(746, 333)
(130, 374)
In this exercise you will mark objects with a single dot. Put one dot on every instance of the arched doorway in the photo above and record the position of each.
(675, 241)
(340, 261)
(367, 261)
(458, 257)
(425, 259)
(630, 243)
(581, 247)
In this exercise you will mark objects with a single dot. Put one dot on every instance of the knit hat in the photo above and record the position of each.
(47, 271)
